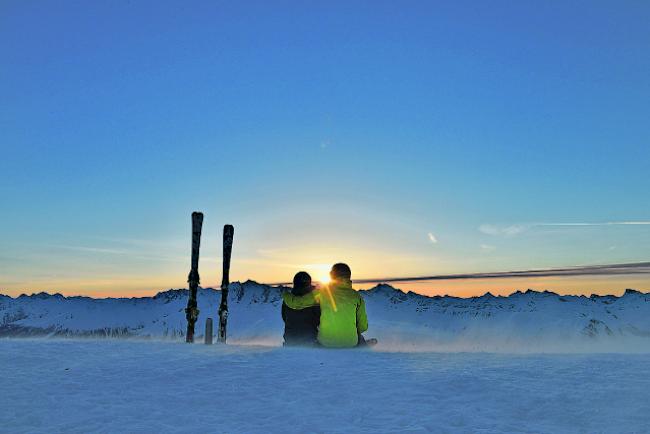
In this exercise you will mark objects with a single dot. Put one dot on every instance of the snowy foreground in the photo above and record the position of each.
(530, 362)
(111, 385)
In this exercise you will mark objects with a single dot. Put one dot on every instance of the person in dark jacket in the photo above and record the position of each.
(301, 326)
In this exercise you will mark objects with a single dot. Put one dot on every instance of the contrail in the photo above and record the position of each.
(588, 270)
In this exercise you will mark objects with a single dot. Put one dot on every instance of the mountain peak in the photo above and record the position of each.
(383, 288)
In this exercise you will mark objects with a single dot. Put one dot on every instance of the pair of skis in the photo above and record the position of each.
(192, 311)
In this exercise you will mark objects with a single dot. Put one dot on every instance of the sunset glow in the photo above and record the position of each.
(324, 279)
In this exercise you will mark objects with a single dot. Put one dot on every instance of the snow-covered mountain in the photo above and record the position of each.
(527, 321)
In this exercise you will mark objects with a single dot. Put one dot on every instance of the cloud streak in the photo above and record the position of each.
(516, 229)
(119, 252)
(628, 223)
(432, 238)
(503, 230)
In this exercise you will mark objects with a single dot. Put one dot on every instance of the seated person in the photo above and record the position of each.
(301, 326)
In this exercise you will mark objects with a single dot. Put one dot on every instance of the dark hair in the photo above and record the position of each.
(301, 283)
(340, 271)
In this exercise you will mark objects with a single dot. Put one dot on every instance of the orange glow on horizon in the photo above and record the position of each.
(102, 281)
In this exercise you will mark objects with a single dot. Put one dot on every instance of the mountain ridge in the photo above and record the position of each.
(524, 319)
(369, 290)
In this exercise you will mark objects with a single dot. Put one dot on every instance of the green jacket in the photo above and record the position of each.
(342, 313)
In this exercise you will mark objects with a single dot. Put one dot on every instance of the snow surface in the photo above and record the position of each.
(522, 322)
(145, 386)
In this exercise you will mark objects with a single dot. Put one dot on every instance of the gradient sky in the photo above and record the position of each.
(405, 138)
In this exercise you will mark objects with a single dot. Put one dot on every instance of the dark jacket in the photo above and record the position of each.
(300, 326)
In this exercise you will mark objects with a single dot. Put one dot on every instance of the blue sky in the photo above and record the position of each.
(340, 131)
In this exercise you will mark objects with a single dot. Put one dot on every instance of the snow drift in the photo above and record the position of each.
(522, 322)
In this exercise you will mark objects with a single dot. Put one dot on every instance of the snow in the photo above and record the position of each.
(143, 386)
(531, 362)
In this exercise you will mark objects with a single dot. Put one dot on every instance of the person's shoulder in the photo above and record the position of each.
(358, 297)
(353, 293)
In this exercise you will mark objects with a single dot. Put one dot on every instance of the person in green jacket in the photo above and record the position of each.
(343, 311)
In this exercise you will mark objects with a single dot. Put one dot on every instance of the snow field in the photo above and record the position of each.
(82, 386)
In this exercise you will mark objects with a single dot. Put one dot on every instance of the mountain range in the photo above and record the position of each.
(402, 321)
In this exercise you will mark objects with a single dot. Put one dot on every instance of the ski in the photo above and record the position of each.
(228, 232)
(192, 312)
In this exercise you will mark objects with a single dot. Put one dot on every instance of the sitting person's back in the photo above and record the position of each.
(343, 312)
(301, 326)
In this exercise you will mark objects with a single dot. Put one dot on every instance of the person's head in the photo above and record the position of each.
(301, 283)
(340, 273)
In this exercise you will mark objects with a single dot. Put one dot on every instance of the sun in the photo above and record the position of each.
(319, 272)
(324, 278)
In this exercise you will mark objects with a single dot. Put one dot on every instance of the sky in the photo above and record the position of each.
(404, 138)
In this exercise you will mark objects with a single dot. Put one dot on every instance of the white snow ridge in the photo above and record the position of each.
(522, 322)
